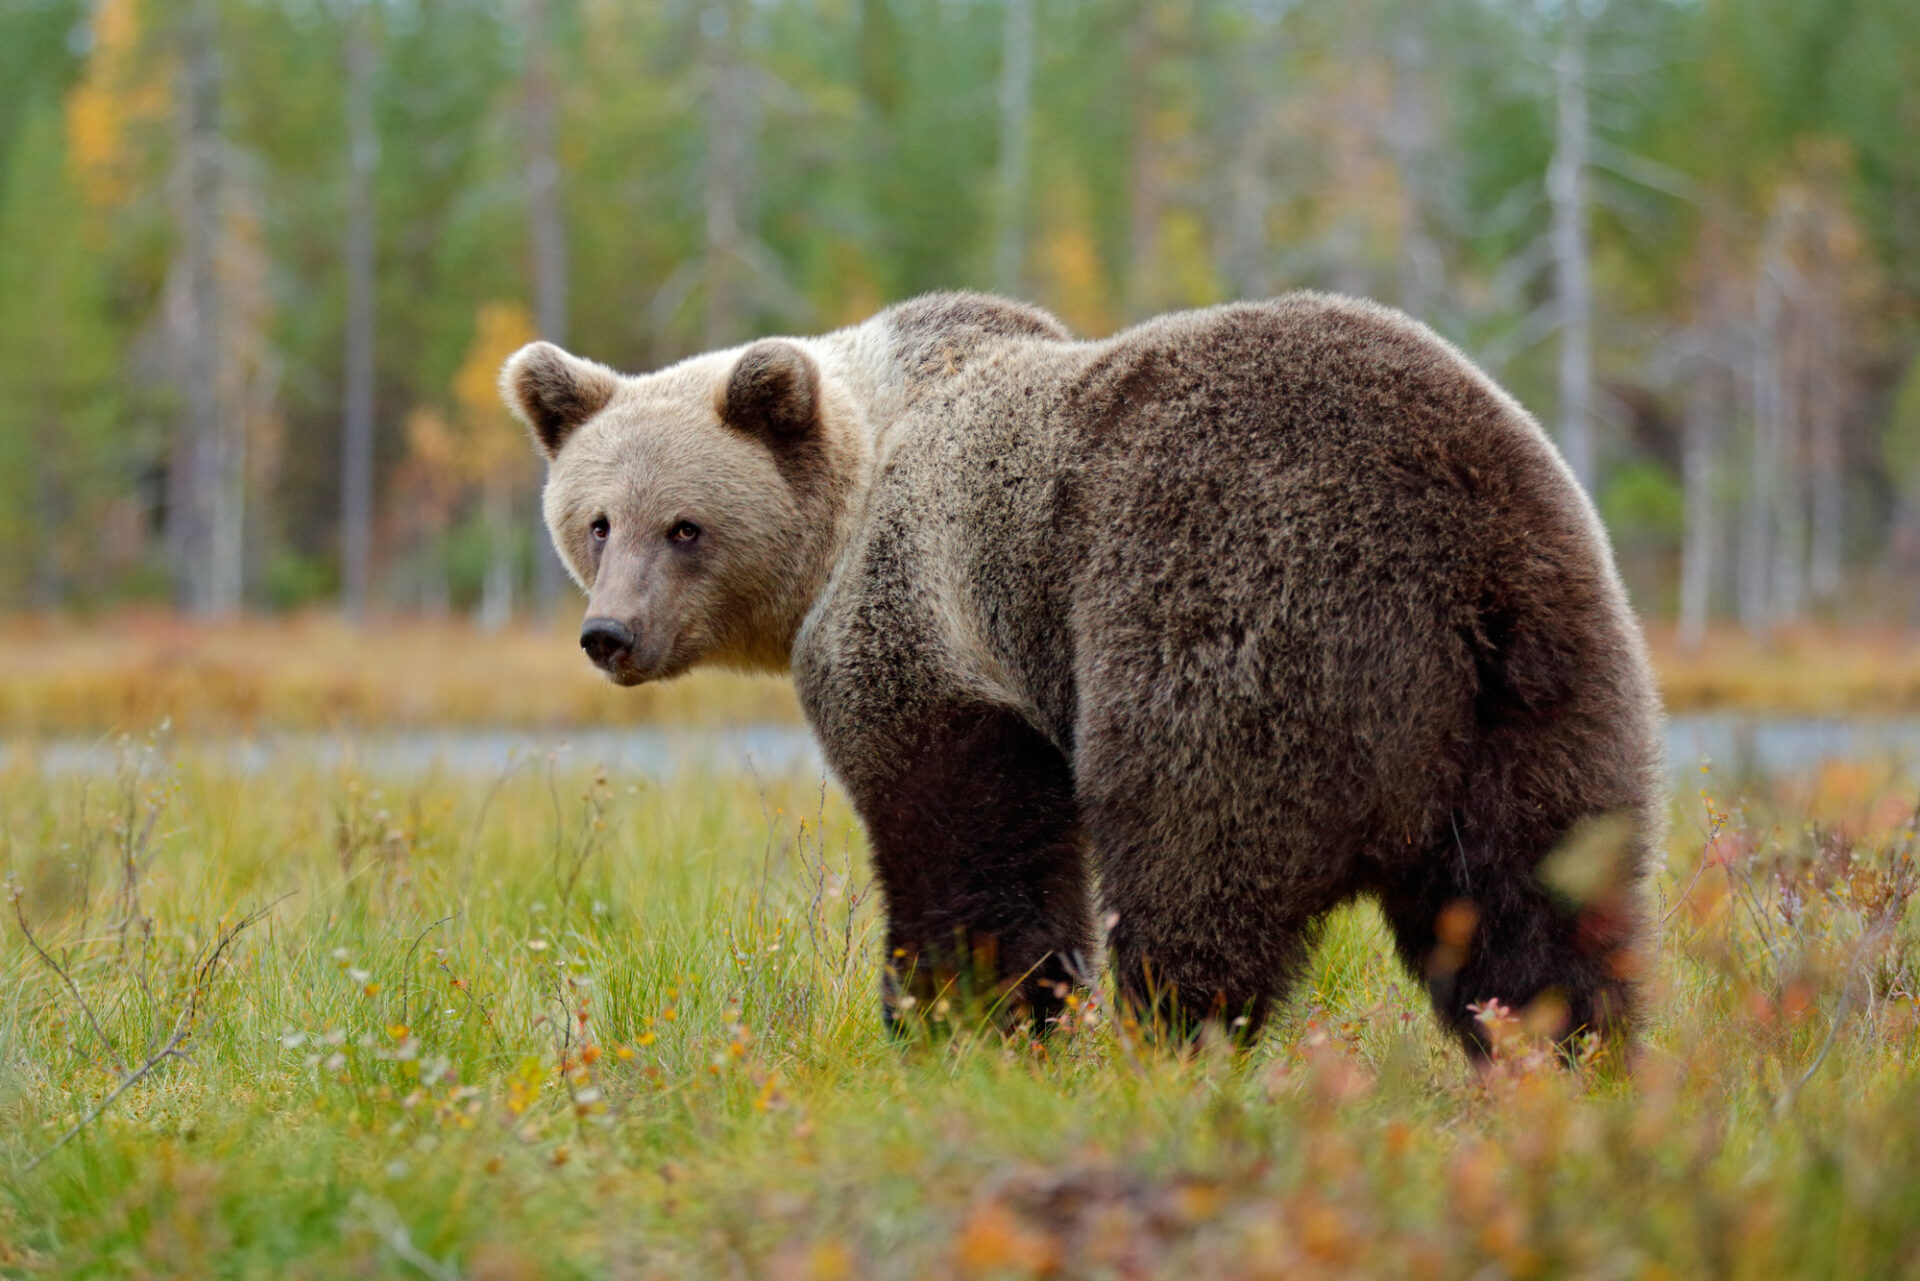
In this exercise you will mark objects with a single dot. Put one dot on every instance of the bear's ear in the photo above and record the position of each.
(553, 392)
(774, 391)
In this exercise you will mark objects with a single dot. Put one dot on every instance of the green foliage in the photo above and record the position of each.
(57, 359)
(1177, 149)
(1642, 505)
(1901, 444)
(553, 1026)
(38, 60)
(292, 581)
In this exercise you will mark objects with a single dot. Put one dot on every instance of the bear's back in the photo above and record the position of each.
(1296, 377)
(1252, 430)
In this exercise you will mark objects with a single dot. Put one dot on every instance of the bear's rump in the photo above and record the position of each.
(1300, 642)
(1313, 699)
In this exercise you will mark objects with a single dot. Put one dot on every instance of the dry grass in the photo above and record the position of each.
(129, 670)
(1802, 671)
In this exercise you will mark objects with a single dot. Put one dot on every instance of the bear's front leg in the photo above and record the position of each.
(977, 847)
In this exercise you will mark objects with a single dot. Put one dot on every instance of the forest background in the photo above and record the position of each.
(260, 259)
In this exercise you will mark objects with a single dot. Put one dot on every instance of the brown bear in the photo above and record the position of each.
(1220, 622)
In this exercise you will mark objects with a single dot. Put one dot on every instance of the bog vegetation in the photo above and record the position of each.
(556, 1024)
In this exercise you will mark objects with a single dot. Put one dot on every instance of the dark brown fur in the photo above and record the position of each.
(554, 393)
(774, 390)
(1303, 608)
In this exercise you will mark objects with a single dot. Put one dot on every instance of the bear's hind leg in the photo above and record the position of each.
(1190, 942)
(1479, 923)
(976, 843)
(1175, 980)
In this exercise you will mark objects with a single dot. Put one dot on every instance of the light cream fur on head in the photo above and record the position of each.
(745, 448)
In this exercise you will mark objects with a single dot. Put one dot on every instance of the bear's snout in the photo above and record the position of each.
(608, 642)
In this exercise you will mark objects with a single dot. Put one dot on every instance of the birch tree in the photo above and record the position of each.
(547, 232)
(1707, 359)
(1567, 181)
(199, 463)
(357, 422)
(493, 451)
(1407, 126)
(726, 105)
(1767, 449)
(1016, 107)
(1145, 187)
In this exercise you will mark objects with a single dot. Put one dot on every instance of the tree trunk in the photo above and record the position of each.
(50, 512)
(726, 171)
(1699, 448)
(1144, 195)
(1757, 604)
(496, 588)
(547, 230)
(1248, 195)
(1418, 257)
(1826, 463)
(1016, 104)
(1572, 248)
(356, 454)
(195, 469)
(227, 520)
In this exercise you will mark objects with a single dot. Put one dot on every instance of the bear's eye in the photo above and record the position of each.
(683, 533)
(599, 529)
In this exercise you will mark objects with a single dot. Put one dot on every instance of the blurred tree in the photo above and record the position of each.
(205, 509)
(729, 105)
(546, 228)
(1572, 244)
(424, 499)
(41, 54)
(1900, 451)
(361, 19)
(492, 449)
(1016, 109)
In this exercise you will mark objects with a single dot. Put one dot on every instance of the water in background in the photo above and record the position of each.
(1735, 745)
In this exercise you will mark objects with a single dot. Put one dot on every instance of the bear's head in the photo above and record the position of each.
(697, 506)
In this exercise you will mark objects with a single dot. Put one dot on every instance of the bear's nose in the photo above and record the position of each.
(606, 640)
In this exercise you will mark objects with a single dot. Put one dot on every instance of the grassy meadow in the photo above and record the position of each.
(319, 1024)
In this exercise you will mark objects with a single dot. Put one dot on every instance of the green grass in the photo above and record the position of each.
(568, 1027)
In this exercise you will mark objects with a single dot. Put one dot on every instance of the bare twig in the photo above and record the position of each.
(1713, 834)
(1874, 936)
(135, 847)
(460, 985)
(593, 814)
(20, 915)
(406, 980)
(183, 1026)
(171, 1050)
(386, 1224)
